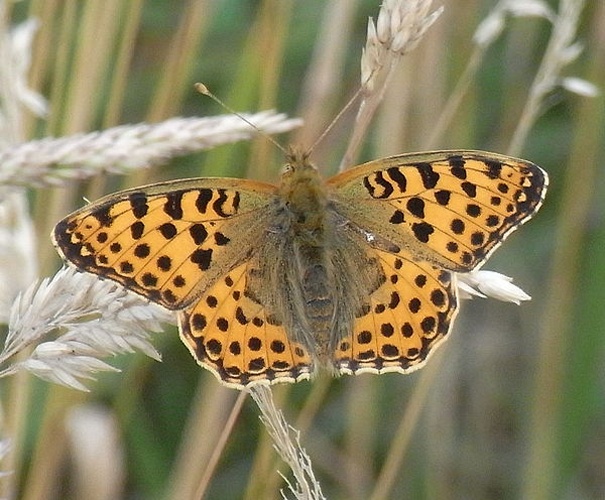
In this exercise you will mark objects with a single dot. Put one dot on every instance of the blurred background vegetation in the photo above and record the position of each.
(512, 406)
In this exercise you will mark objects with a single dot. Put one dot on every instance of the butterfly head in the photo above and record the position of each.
(297, 161)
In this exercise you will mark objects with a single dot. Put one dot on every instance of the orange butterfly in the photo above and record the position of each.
(355, 274)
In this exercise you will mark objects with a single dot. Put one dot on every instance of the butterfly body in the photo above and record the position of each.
(354, 274)
(311, 286)
(306, 248)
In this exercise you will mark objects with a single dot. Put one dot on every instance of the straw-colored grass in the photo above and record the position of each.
(510, 407)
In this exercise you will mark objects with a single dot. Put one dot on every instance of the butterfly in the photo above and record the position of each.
(273, 282)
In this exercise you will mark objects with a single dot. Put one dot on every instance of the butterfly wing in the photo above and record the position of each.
(403, 320)
(424, 216)
(452, 208)
(189, 246)
(234, 335)
(167, 241)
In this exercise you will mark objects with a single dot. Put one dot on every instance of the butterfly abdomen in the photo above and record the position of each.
(317, 294)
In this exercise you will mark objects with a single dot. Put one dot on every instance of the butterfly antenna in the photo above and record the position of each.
(202, 89)
(336, 119)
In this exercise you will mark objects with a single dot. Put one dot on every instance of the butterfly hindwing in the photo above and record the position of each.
(238, 339)
(403, 320)
(452, 208)
(165, 241)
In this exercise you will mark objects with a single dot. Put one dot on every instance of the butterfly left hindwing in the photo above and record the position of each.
(238, 339)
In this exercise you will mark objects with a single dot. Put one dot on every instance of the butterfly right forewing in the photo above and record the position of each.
(453, 208)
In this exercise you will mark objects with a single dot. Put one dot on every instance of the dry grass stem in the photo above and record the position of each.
(18, 263)
(286, 441)
(15, 95)
(87, 319)
(220, 446)
(488, 31)
(123, 149)
(400, 26)
(559, 332)
(407, 425)
(94, 441)
(562, 50)
(325, 70)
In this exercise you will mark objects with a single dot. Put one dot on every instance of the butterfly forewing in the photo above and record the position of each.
(167, 241)
(452, 208)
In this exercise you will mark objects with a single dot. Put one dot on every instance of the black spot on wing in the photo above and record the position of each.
(173, 206)
(457, 226)
(469, 188)
(219, 203)
(142, 251)
(493, 168)
(397, 176)
(422, 231)
(149, 280)
(203, 198)
(457, 169)
(429, 177)
(202, 257)
(442, 197)
(198, 233)
(126, 267)
(137, 229)
(103, 216)
(416, 207)
(377, 179)
(138, 203)
(398, 217)
(473, 210)
(164, 263)
(220, 239)
(168, 230)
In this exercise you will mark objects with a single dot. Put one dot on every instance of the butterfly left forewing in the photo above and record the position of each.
(452, 208)
(166, 241)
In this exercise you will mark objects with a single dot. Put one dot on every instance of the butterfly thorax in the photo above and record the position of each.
(305, 199)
